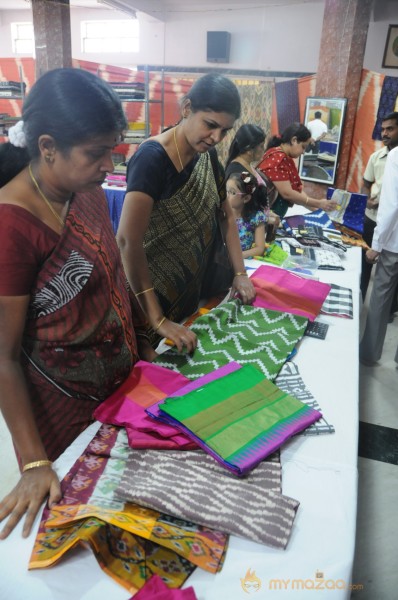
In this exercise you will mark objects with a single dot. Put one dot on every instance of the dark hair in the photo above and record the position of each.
(214, 92)
(297, 130)
(12, 161)
(318, 114)
(247, 184)
(71, 105)
(247, 137)
(391, 117)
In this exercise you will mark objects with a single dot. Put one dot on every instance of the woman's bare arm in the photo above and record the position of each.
(288, 193)
(134, 222)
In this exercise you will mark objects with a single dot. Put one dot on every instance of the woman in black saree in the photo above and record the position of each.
(169, 218)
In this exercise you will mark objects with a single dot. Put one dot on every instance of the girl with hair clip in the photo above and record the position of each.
(245, 198)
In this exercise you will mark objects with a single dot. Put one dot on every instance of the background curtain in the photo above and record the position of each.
(256, 99)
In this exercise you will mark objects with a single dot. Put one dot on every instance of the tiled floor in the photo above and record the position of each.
(376, 566)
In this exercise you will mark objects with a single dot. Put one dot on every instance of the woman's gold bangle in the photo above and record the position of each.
(306, 200)
(162, 320)
(35, 464)
(240, 274)
(143, 292)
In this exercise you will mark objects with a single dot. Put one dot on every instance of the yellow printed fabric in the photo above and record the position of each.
(131, 543)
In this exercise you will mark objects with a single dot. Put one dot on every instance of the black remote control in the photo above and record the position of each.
(316, 329)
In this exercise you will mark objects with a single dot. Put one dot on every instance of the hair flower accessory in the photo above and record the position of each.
(16, 135)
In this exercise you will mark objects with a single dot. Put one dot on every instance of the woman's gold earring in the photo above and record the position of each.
(49, 158)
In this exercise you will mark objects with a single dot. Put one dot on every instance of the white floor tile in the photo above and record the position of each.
(375, 566)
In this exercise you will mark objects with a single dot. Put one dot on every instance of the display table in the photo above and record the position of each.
(320, 472)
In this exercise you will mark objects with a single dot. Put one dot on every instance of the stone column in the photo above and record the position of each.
(51, 24)
(344, 33)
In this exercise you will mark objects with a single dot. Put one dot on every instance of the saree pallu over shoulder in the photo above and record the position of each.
(179, 238)
(79, 342)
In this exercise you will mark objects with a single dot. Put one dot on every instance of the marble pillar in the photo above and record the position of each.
(344, 33)
(51, 22)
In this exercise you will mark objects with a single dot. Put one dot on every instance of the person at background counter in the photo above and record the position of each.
(245, 152)
(278, 167)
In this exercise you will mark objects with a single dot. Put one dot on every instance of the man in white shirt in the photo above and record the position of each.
(372, 180)
(318, 130)
(384, 252)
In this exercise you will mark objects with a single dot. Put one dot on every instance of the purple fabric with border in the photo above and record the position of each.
(250, 458)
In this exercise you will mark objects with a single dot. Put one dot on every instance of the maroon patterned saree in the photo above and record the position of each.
(79, 342)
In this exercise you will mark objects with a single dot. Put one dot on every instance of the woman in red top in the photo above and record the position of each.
(279, 167)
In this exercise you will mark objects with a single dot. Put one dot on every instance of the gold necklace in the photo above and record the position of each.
(54, 212)
(178, 152)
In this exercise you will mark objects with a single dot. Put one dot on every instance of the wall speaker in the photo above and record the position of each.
(218, 46)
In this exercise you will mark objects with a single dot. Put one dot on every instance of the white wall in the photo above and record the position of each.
(269, 38)
(385, 14)
(375, 48)
(151, 39)
(6, 18)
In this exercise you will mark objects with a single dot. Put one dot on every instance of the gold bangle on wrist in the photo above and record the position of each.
(162, 320)
(143, 292)
(306, 200)
(37, 463)
(244, 274)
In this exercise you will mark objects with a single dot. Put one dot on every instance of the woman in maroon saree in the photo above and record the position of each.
(70, 329)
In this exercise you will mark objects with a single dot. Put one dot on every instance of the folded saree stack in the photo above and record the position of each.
(156, 512)
(235, 332)
(143, 506)
(130, 542)
(239, 419)
(280, 290)
(146, 384)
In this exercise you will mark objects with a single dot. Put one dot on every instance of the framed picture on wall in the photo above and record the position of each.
(324, 117)
(390, 58)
